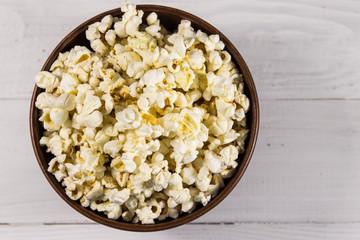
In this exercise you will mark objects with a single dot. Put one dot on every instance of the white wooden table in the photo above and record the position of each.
(304, 179)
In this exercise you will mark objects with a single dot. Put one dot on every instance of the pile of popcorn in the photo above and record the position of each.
(148, 123)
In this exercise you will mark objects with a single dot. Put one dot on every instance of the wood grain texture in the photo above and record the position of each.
(244, 231)
(302, 49)
(303, 56)
(305, 168)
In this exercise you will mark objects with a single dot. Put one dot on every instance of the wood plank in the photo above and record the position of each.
(305, 168)
(190, 231)
(307, 49)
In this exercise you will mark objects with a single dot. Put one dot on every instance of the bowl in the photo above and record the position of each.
(169, 18)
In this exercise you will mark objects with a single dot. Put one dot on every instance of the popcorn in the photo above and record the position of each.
(178, 48)
(113, 147)
(109, 103)
(196, 59)
(229, 137)
(69, 83)
(219, 125)
(110, 37)
(105, 23)
(202, 181)
(188, 174)
(161, 180)
(220, 86)
(184, 78)
(224, 108)
(145, 124)
(58, 116)
(243, 101)
(128, 119)
(95, 192)
(216, 184)
(112, 210)
(229, 155)
(47, 81)
(73, 190)
(125, 163)
(57, 167)
(117, 197)
(215, 61)
(212, 161)
(146, 215)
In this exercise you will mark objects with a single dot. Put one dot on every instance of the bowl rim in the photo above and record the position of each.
(252, 138)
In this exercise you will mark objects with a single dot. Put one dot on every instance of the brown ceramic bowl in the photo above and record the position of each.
(170, 18)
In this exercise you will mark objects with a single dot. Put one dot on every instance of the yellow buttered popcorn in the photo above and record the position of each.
(147, 123)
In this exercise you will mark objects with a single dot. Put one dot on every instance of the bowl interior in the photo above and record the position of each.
(169, 18)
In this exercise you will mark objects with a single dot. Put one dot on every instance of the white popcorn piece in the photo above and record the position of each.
(224, 108)
(220, 86)
(116, 196)
(188, 174)
(93, 32)
(59, 115)
(229, 155)
(212, 161)
(47, 100)
(109, 103)
(161, 180)
(178, 45)
(153, 30)
(57, 167)
(183, 152)
(188, 207)
(99, 46)
(47, 81)
(217, 183)
(151, 18)
(203, 180)
(196, 59)
(185, 29)
(128, 119)
(146, 215)
(124, 163)
(152, 77)
(110, 37)
(95, 192)
(215, 61)
(113, 147)
(243, 101)
(241, 139)
(73, 190)
(239, 114)
(108, 181)
(112, 210)
(105, 23)
(130, 21)
(110, 130)
(169, 212)
(141, 41)
(136, 70)
(158, 163)
(199, 196)
(184, 78)
(219, 125)
(229, 137)
(69, 83)
(131, 203)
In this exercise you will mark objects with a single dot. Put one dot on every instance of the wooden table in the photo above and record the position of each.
(304, 179)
